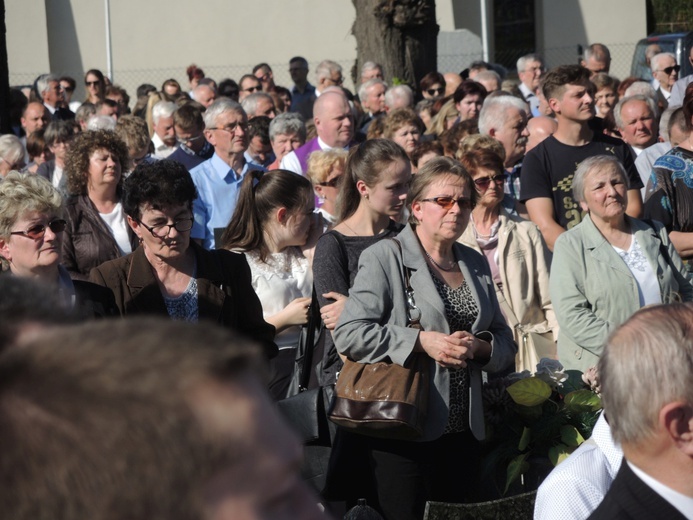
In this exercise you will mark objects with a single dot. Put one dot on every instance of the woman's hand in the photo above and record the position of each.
(452, 351)
(296, 313)
(331, 312)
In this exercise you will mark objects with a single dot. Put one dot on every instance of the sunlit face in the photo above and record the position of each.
(469, 107)
(513, 135)
(258, 150)
(437, 223)
(434, 91)
(205, 96)
(35, 117)
(59, 150)
(604, 101)
(668, 77)
(407, 137)
(53, 95)
(298, 224)
(605, 194)
(576, 104)
(93, 86)
(388, 195)
(490, 191)
(104, 169)
(335, 123)
(248, 86)
(531, 76)
(595, 66)
(28, 257)
(230, 136)
(372, 74)
(638, 127)
(170, 243)
(165, 130)
(265, 107)
(375, 99)
(328, 190)
(285, 143)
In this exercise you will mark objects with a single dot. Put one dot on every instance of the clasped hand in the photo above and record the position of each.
(450, 351)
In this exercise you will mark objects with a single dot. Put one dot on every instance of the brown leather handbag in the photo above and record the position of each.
(385, 399)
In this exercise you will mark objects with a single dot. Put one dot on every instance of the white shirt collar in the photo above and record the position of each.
(681, 502)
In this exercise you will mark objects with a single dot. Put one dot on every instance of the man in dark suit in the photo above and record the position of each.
(646, 375)
(48, 88)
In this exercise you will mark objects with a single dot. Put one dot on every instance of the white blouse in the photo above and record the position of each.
(278, 281)
(115, 221)
(646, 278)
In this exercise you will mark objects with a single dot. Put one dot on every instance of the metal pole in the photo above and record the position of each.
(484, 31)
(109, 50)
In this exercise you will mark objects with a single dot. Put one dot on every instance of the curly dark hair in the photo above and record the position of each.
(80, 152)
(159, 185)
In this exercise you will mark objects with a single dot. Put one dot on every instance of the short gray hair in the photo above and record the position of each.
(494, 112)
(638, 97)
(594, 164)
(399, 96)
(488, 75)
(647, 363)
(221, 105)
(598, 51)
(642, 88)
(11, 148)
(163, 109)
(250, 103)
(288, 123)
(101, 122)
(198, 89)
(364, 87)
(325, 69)
(370, 65)
(522, 61)
(654, 62)
(44, 81)
(22, 193)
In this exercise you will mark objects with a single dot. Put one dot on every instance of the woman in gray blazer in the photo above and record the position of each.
(608, 266)
(463, 333)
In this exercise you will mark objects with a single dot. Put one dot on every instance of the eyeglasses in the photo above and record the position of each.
(332, 183)
(435, 91)
(337, 81)
(264, 77)
(163, 230)
(484, 182)
(671, 69)
(186, 140)
(91, 83)
(18, 165)
(448, 202)
(38, 231)
(231, 127)
(252, 89)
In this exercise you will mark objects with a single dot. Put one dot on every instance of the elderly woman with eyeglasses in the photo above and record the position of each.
(32, 222)
(518, 259)
(463, 333)
(169, 274)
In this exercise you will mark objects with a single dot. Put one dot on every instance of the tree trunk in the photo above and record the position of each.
(400, 35)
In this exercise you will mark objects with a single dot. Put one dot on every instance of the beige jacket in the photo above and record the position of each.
(523, 263)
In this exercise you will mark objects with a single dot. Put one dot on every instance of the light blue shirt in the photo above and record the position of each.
(217, 186)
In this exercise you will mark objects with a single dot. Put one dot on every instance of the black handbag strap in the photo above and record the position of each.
(413, 312)
(312, 325)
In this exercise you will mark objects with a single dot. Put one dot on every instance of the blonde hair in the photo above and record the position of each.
(321, 163)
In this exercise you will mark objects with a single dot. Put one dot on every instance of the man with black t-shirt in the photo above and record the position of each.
(548, 169)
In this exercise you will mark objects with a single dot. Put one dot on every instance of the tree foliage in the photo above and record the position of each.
(672, 15)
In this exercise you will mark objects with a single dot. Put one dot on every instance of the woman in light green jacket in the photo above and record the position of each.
(608, 266)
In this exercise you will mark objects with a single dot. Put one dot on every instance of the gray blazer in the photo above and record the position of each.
(373, 328)
(593, 291)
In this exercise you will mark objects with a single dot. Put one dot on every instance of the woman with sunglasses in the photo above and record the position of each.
(95, 85)
(170, 275)
(516, 254)
(97, 230)
(325, 171)
(432, 85)
(32, 222)
(463, 332)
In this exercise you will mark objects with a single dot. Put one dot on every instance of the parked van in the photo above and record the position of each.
(679, 44)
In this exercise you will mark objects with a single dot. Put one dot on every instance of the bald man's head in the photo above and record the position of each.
(333, 118)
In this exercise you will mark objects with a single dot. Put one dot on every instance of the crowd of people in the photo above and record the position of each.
(517, 219)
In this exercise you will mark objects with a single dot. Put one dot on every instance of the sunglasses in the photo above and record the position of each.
(91, 83)
(332, 183)
(435, 91)
(448, 202)
(484, 182)
(39, 230)
(671, 69)
(252, 89)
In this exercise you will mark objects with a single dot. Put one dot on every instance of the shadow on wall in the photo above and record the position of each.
(63, 46)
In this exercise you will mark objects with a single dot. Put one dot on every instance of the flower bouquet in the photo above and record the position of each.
(534, 421)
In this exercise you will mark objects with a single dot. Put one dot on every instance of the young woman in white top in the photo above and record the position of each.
(271, 224)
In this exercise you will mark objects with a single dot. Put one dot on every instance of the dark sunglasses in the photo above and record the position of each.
(435, 91)
(39, 230)
(671, 69)
(332, 183)
(448, 202)
(484, 182)
(252, 89)
(91, 83)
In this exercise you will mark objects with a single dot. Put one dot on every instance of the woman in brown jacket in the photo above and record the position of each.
(97, 230)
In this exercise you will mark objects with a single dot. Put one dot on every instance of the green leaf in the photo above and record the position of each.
(524, 440)
(571, 436)
(574, 382)
(582, 401)
(529, 392)
(559, 453)
(516, 467)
